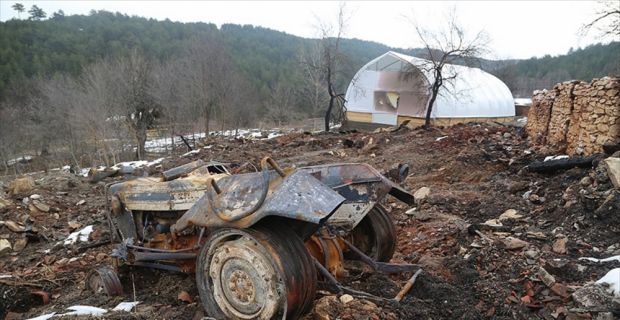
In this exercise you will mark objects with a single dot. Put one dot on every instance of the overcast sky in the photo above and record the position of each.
(518, 29)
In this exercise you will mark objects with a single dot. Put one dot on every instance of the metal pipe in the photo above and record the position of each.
(158, 250)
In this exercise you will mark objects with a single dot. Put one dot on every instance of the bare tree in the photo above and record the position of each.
(280, 103)
(607, 20)
(204, 67)
(330, 62)
(239, 102)
(447, 46)
(134, 99)
(313, 88)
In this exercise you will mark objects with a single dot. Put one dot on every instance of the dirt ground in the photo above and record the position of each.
(473, 268)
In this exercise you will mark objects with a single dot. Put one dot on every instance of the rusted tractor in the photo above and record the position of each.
(259, 241)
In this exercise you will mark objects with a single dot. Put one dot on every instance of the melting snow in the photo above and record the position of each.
(614, 258)
(84, 311)
(88, 311)
(43, 317)
(549, 158)
(612, 278)
(81, 235)
(126, 306)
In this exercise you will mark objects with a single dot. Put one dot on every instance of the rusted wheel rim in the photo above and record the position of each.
(375, 235)
(245, 282)
(104, 280)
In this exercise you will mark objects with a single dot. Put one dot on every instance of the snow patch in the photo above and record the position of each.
(549, 158)
(190, 153)
(126, 306)
(44, 317)
(614, 258)
(81, 235)
(84, 311)
(612, 278)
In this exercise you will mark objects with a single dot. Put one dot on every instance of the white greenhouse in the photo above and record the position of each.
(395, 87)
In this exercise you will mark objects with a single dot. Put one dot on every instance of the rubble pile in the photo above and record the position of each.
(576, 118)
(495, 240)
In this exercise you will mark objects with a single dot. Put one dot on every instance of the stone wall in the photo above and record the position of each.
(576, 117)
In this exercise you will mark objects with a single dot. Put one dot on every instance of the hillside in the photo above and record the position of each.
(594, 61)
(68, 43)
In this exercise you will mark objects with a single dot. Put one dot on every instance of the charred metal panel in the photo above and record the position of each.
(179, 171)
(152, 194)
(358, 182)
(298, 196)
(349, 214)
(126, 225)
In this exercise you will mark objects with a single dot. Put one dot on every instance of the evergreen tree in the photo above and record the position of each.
(36, 13)
(19, 8)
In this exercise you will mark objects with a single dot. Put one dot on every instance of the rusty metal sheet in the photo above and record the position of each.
(298, 196)
(350, 214)
(179, 171)
(152, 194)
(358, 182)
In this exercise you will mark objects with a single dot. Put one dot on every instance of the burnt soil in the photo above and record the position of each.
(474, 172)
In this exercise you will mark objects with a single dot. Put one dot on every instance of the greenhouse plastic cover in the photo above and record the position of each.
(473, 93)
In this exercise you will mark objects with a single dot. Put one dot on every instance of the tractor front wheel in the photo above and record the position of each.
(258, 273)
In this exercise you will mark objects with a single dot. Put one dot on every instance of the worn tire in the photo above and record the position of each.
(375, 235)
(258, 273)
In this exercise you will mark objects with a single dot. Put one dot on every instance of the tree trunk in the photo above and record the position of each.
(141, 139)
(429, 108)
(328, 114)
(434, 91)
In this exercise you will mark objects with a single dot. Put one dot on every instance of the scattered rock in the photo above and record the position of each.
(510, 214)
(40, 206)
(346, 298)
(545, 277)
(536, 199)
(585, 181)
(5, 246)
(185, 297)
(81, 202)
(35, 197)
(613, 170)
(324, 307)
(493, 223)
(518, 186)
(559, 246)
(21, 185)
(13, 226)
(20, 244)
(74, 225)
(422, 194)
(560, 289)
(592, 296)
(536, 235)
(4, 203)
(418, 215)
(532, 253)
(512, 243)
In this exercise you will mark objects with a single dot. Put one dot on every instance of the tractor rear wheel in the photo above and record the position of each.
(257, 273)
(375, 235)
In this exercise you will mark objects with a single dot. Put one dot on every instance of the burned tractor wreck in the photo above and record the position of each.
(259, 241)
